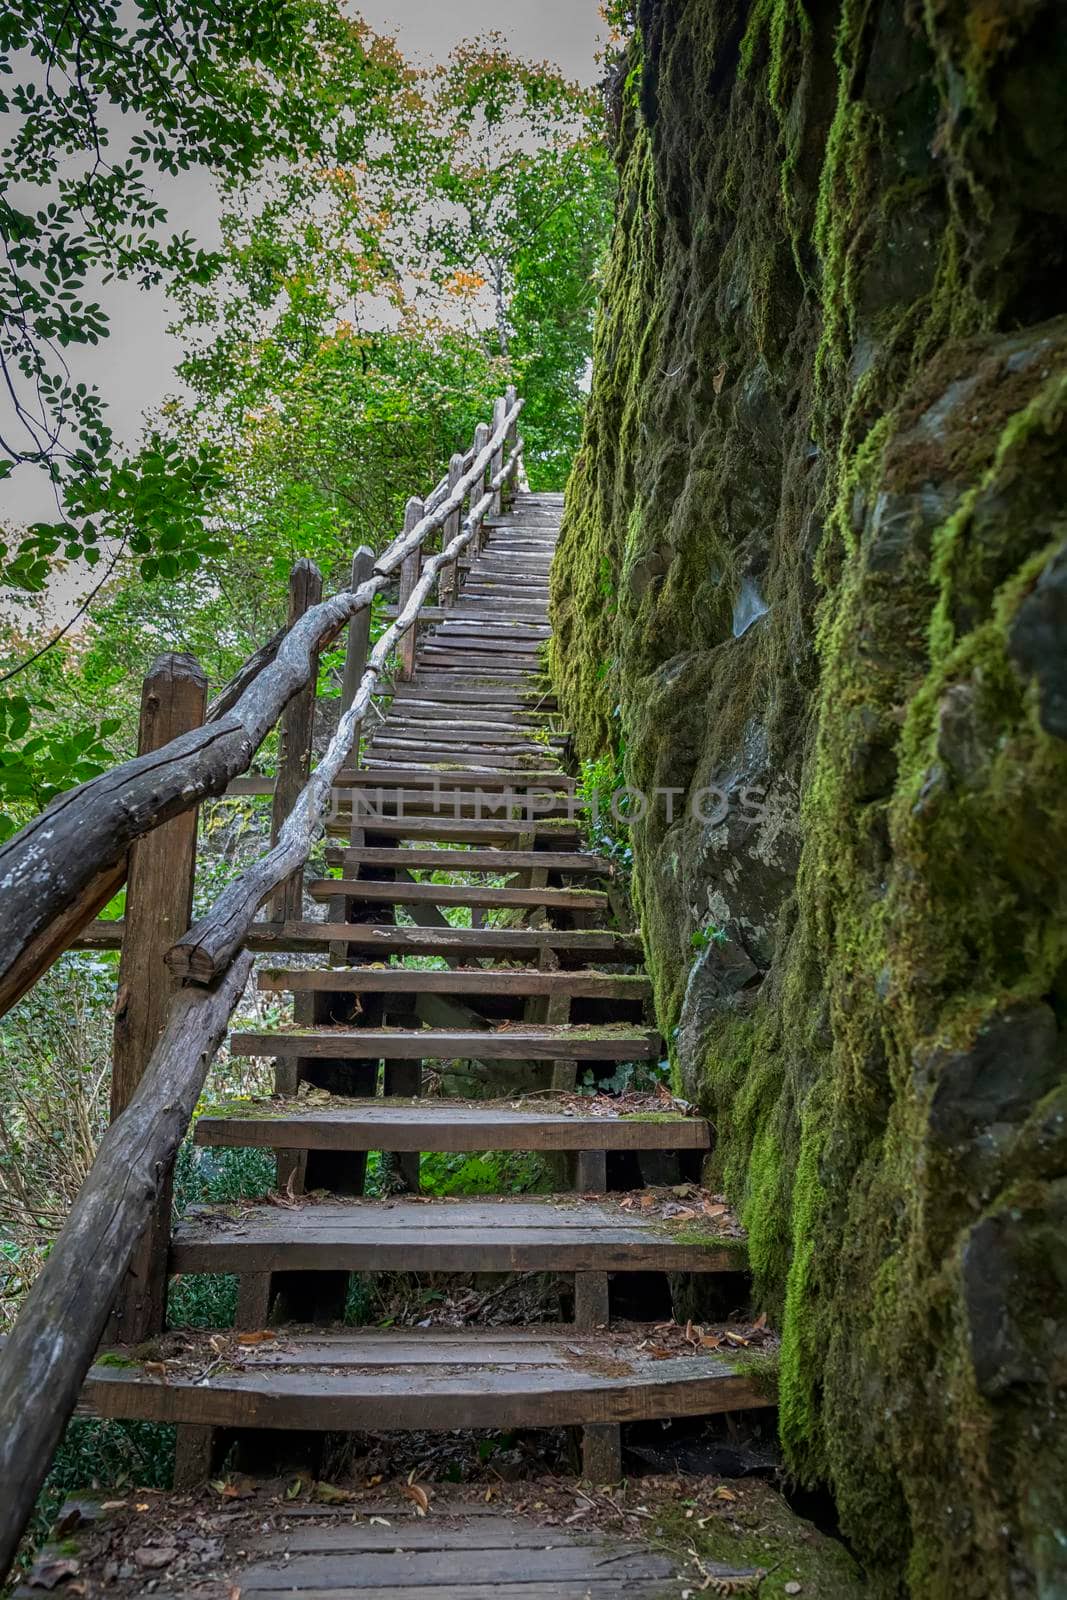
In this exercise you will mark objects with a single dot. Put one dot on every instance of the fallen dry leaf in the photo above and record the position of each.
(155, 1557)
(417, 1494)
(266, 1336)
(49, 1573)
(331, 1494)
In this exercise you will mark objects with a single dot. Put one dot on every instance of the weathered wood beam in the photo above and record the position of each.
(159, 905)
(294, 745)
(55, 1339)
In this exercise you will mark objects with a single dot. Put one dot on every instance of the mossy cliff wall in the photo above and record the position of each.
(815, 547)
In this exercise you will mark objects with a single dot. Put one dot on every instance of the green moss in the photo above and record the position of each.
(756, 1531)
(817, 369)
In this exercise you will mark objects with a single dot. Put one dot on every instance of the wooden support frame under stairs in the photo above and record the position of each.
(468, 768)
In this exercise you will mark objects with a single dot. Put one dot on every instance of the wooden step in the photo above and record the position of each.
(439, 1125)
(436, 1379)
(371, 891)
(474, 831)
(424, 686)
(517, 611)
(553, 1234)
(478, 742)
(380, 1552)
(489, 981)
(407, 856)
(496, 716)
(490, 625)
(618, 1042)
(471, 730)
(449, 778)
(383, 939)
(458, 803)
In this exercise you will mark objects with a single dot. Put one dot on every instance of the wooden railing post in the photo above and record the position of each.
(448, 586)
(159, 904)
(358, 639)
(294, 742)
(508, 493)
(499, 411)
(409, 577)
(481, 439)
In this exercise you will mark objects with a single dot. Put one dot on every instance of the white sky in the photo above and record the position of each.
(134, 367)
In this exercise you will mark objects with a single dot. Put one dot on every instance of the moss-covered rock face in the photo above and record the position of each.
(813, 577)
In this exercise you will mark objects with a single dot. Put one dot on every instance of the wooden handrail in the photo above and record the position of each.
(212, 942)
(54, 1341)
(62, 867)
(56, 1336)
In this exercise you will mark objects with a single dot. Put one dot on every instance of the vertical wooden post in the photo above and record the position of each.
(358, 638)
(159, 902)
(448, 586)
(481, 439)
(287, 902)
(294, 747)
(507, 497)
(497, 462)
(356, 652)
(602, 1443)
(409, 577)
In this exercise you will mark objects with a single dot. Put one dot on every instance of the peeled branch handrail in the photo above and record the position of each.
(58, 870)
(64, 1316)
(212, 942)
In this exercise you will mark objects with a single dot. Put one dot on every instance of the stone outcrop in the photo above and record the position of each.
(813, 582)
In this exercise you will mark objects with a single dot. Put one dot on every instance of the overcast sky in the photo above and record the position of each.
(134, 366)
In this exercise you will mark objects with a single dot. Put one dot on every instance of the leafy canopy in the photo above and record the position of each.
(102, 96)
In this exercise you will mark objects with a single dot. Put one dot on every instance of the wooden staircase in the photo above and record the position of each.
(462, 780)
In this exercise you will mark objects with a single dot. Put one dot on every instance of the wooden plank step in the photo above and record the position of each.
(449, 778)
(486, 640)
(509, 944)
(527, 641)
(502, 716)
(489, 624)
(469, 731)
(516, 944)
(454, 803)
(554, 1234)
(455, 894)
(442, 1125)
(354, 1380)
(473, 831)
(400, 724)
(393, 747)
(396, 749)
(441, 646)
(494, 664)
(487, 614)
(489, 586)
(488, 981)
(464, 1551)
(470, 860)
(618, 1042)
(506, 697)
